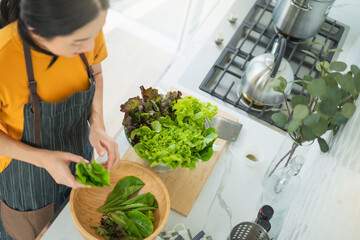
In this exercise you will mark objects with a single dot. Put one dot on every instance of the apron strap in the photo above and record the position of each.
(89, 69)
(32, 85)
(34, 97)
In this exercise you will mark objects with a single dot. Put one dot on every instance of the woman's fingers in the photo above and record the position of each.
(59, 169)
(73, 183)
(76, 158)
(103, 142)
(112, 152)
(99, 149)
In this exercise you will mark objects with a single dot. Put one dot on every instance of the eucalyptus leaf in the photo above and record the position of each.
(346, 82)
(326, 64)
(332, 94)
(294, 125)
(298, 99)
(338, 119)
(330, 81)
(275, 85)
(317, 87)
(278, 84)
(301, 111)
(327, 107)
(318, 66)
(355, 69)
(337, 66)
(357, 81)
(308, 78)
(320, 127)
(335, 50)
(314, 43)
(322, 66)
(312, 119)
(348, 110)
(307, 133)
(279, 119)
(311, 54)
(323, 145)
(335, 74)
(344, 95)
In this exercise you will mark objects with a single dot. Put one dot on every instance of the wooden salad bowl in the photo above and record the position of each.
(85, 201)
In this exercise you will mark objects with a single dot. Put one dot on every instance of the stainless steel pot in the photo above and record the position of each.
(301, 19)
(261, 71)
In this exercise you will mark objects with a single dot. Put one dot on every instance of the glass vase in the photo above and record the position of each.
(279, 192)
(287, 151)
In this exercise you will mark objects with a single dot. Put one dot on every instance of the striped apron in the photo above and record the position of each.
(29, 195)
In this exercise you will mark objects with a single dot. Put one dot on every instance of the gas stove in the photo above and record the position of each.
(255, 36)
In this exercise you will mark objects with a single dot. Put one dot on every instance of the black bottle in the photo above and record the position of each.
(263, 217)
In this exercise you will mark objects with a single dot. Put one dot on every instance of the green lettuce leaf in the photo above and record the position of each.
(150, 107)
(92, 174)
(181, 141)
(142, 222)
(122, 190)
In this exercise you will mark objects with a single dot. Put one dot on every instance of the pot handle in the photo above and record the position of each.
(278, 56)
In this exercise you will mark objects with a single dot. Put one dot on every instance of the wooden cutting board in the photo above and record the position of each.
(184, 187)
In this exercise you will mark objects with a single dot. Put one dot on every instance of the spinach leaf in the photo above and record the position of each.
(142, 222)
(144, 209)
(150, 215)
(143, 201)
(145, 198)
(92, 174)
(153, 207)
(123, 207)
(121, 219)
(123, 189)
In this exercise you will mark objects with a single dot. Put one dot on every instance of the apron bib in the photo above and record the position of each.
(29, 195)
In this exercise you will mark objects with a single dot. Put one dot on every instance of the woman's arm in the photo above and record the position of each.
(98, 137)
(96, 114)
(55, 162)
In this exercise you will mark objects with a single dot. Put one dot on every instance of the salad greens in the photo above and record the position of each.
(142, 111)
(126, 216)
(124, 188)
(178, 141)
(92, 174)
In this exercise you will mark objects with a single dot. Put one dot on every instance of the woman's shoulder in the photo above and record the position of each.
(8, 35)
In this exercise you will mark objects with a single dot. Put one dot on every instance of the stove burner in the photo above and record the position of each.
(249, 100)
(256, 36)
(251, 104)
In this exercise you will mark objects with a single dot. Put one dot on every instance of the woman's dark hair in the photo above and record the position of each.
(51, 18)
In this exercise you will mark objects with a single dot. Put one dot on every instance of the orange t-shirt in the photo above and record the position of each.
(65, 77)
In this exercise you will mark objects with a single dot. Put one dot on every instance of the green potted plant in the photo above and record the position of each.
(327, 104)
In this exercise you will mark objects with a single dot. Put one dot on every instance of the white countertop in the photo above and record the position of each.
(238, 183)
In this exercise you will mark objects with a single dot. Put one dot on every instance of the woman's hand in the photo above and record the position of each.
(103, 142)
(57, 164)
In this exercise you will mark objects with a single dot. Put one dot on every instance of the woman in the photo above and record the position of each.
(50, 113)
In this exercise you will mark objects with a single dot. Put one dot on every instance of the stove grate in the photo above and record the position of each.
(256, 36)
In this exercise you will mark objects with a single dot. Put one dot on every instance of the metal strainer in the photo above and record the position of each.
(248, 231)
